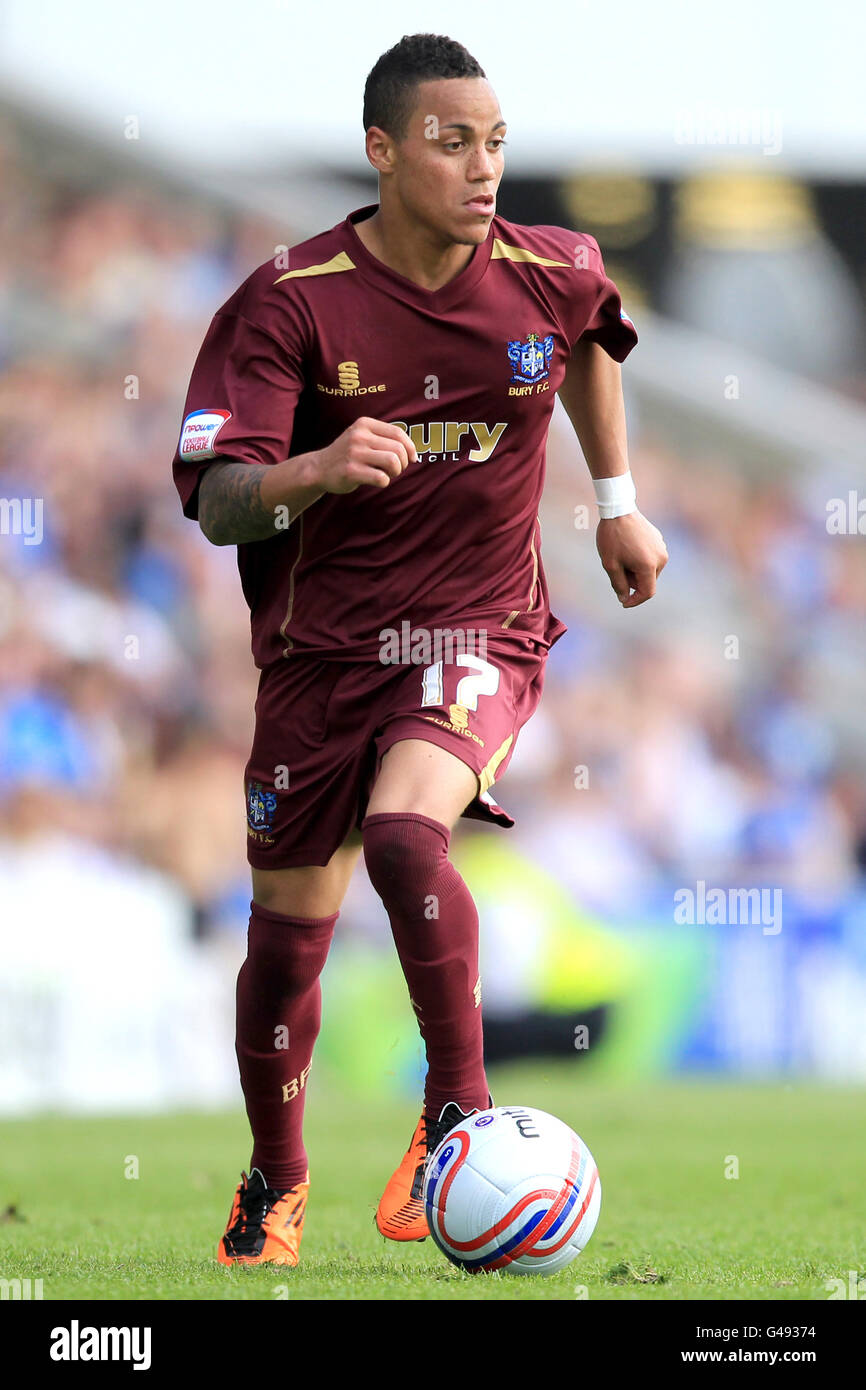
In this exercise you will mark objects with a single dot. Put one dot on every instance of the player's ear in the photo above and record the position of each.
(380, 149)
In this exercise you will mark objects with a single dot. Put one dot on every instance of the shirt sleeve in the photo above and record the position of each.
(608, 323)
(240, 404)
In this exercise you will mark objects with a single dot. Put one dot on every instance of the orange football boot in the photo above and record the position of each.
(264, 1226)
(400, 1214)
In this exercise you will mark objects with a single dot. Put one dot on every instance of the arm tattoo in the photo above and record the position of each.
(230, 508)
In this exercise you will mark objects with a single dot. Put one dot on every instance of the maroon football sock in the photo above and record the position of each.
(435, 927)
(279, 1009)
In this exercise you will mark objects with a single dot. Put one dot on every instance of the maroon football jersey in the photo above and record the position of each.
(470, 371)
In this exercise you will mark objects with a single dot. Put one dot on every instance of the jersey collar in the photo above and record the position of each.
(381, 275)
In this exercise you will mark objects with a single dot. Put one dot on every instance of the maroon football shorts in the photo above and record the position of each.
(323, 727)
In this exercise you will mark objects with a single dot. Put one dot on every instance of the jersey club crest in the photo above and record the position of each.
(530, 361)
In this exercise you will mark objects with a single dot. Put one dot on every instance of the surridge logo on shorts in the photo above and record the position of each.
(459, 716)
(261, 809)
(457, 722)
(199, 431)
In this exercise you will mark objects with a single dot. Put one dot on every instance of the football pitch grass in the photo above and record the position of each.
(672, 1224)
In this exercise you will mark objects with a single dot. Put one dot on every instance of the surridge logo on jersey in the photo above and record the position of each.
(349, 382)
(530, 360)
(199, 431)
(440, 439)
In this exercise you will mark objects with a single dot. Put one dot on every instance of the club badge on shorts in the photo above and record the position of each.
(261, 809)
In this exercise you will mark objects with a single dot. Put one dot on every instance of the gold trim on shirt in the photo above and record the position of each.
(503, 252)
(529, 606)
(532, 594)
(291, 604)
(337, 263)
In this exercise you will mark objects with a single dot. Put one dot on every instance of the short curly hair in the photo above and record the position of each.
(388, 93)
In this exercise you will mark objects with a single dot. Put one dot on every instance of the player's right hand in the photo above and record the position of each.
(370, 453)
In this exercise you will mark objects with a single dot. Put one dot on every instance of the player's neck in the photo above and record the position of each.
(410, 250)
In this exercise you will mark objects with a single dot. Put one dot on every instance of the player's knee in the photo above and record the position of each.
(406, 857)
(308, 893)
(285, 955)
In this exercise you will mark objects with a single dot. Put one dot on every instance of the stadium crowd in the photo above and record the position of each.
(126, 685)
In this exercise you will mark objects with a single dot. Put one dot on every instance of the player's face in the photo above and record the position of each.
(448, 166)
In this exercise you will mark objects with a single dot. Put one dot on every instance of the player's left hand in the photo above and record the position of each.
(633, 554)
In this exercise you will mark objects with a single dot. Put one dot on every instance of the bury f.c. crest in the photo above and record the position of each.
(530, 361)
(261, 807)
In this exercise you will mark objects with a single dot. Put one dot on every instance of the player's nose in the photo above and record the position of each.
(482, 169)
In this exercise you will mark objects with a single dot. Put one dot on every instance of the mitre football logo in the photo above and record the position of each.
(530, 361)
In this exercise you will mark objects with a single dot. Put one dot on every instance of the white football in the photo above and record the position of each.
(512, 1189)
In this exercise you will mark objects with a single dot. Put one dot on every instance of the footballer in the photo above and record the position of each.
(366, 421)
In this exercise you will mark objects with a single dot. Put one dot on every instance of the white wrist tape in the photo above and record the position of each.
(615, 496)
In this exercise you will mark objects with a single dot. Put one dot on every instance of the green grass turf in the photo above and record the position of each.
(671, 1226)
